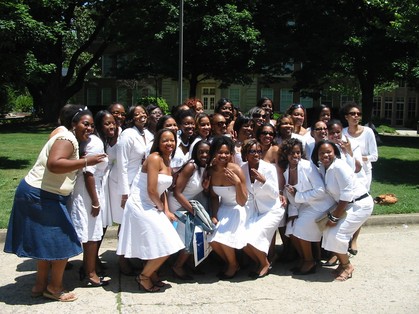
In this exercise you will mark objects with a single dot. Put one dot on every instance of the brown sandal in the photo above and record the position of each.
(345, 274)
(143, 278)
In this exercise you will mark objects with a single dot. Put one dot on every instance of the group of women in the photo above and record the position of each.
(137, 169)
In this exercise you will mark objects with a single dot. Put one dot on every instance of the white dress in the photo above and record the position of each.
(368, 146)
(192, 191)
(115, 211)
(231, 216)
(89, 228)
(263, 208)
(311, 200)
(147, 233)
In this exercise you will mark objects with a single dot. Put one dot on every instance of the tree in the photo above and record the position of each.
(52, 45)
(220, 42)
(354, 38)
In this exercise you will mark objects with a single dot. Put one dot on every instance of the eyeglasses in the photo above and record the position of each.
(117, 113)
(320, 129)
(258, 115)
(355, 113)
(254, 152)
(267, 133)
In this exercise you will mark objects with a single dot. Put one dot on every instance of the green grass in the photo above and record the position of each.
(396, 171)
(18, 153)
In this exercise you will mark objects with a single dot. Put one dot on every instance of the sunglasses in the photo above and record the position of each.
(254, 152)
(258, 115)
(267, 133)
(353, 114)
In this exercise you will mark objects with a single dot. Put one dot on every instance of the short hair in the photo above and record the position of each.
(240, 121)
(333, 122)
(260, 130)
(315, 154)
(286, 149)
(219, 141)
(156, 142)
(246, 147)
(130, 114)
(221, 103)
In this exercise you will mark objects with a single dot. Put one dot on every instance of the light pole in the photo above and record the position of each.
(180, 77)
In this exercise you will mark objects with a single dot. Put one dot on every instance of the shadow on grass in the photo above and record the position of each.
(7, 163)
(396, 171)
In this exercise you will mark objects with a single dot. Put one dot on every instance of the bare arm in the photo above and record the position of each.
(58, 160)
(181, 182)
(153, 166)
(89, 181)
(235, 175)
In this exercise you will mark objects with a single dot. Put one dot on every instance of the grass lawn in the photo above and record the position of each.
(396, 171)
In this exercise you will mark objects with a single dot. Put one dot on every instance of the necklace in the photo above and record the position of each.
(293, 168)
(183, 143)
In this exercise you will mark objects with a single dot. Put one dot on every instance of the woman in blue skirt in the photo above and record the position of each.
(40, 226)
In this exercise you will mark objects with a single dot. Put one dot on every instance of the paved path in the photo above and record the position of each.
(386, 280)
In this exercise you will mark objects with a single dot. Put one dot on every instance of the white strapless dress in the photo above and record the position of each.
(147, 233)
(231, 217)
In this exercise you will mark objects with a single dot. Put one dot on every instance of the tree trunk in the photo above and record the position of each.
(193, 83)
(367, 89)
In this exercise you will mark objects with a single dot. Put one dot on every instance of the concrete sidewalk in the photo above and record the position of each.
(386, 280)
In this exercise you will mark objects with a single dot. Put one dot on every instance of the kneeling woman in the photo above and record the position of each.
(228, 196)
(352, 198)
(264, 209)
(146, 229)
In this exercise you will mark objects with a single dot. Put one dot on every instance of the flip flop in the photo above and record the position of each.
(63, 296)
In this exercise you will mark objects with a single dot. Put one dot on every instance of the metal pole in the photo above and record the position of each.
(180, 77)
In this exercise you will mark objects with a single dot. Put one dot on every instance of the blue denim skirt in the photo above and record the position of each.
(40, 226)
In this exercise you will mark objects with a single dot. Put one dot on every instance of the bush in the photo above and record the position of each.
(386, 129)
(23, 103)
(161, 102)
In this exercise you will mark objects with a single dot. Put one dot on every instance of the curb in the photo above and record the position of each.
(373, 221)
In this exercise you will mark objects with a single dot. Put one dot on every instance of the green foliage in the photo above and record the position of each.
(159, 101)
(386, 129)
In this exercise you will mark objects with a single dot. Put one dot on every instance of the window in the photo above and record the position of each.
(399, 110)
(234, 95)
(267, 92)
(376, 107)
(411, 108)
(208, 98)
(91, 97)
(345, 99)
(286, 99)
(388, 107)
(307, 102)
(122, 95)
(106, 96)
(107, 62)
(327, 98)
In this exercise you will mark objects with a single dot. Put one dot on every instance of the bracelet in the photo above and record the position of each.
(332, 218)
(95, 207)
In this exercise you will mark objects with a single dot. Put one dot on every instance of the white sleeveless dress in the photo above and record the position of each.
(230, 229)
(147, 233)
